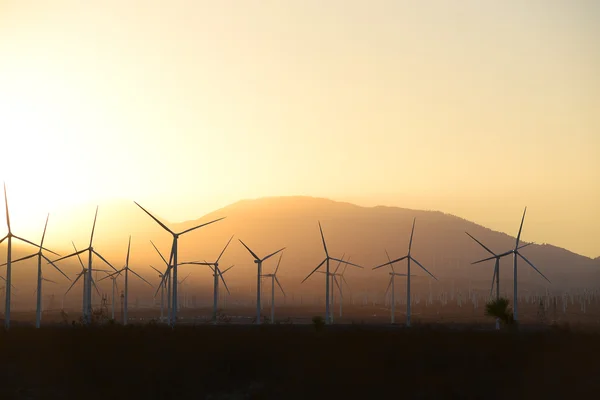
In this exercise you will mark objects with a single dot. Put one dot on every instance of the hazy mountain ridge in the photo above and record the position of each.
(267, 224)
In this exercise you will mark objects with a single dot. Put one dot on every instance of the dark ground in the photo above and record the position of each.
(296, 362)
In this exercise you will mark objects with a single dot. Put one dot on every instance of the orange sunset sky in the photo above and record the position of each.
(475, 108)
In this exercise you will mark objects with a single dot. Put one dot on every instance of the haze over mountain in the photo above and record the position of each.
(267, 224)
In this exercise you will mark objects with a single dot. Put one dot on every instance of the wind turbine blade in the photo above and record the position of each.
(533, 266)
(492, 258)
(6, 204)
(391, 262)
(49, 280)
(3, 239)
(323, 238)
(155, 219)
(111, 275)
(74, 282)
(200, 226)
(314, 270)
(54, 265)
(95, 286)
(337, 284)
(223, 279)
(160, 273)
(339, 263)
(35, 245)
(345, 262)
(80, 262)
(525, 245)
(251, 252)
(44, 234)
(279, 284)
(389, 285)
(278, 262)
(345, 281)
(93, 227)
(103, 259)
(180, 282)
(195, 263)
(71, 255)
(493, 281)
(520, 228)
(20, 259)
(128, 250)
(159, 253)
(138, 275)
(225, 248)
(481, 244)
(222, 272)
(424, 269)
(272, 254)
(411, 234)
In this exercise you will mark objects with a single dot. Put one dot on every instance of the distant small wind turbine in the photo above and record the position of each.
(173, 257)
(274, 279)
(84, 291)
(408, 257)
(165, 282)
(515, 252)
(326, 262)
(40, 278)
(216, 274)
(340, 285)
(88, 278)
(9, 236)
(391, 285)
(258, 261)
(115, 288)
(126, 269)
(161, 287)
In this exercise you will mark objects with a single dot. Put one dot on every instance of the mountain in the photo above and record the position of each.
(267, 224)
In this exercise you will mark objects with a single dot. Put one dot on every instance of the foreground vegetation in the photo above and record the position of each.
(288, 361)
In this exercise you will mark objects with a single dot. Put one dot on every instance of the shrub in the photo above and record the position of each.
(318, 322)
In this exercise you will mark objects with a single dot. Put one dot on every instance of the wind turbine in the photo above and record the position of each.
(334, 280)
(88, 279)
(40, 278)
(326, 262)
(115, 288)
(82, 273)
(183, 293)
(391, 285)
(274, 279)
(161, 287)
(165, 282)
(409, 258)
(515, 253)
(9, 236)
(127, 270)
(496, 257)
(216, 274)
(258, 261)
(173, 257)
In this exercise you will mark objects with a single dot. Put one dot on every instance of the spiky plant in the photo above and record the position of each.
(500, 309)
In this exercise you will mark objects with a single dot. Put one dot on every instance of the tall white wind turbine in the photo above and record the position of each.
(173, 257)
(258, 261)
(88, 278)
(327, 274)
(217, 273)
(392, 286)
(274, 279)
(165, 282)
(84, 289)
(515, 252)
(40, 278)
(9, 237)
(127, 270)
(409, 258)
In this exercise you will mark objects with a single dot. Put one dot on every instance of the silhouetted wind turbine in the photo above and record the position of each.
(515, 253)
(83, 273)
(326, 262)
(165, 282)
(216, 274)
(274, 279)
(9, 236)
(173, 257)
(40, 278)
(258, 261)
(161, 287)
(88, 273)
(126, 269)
(391, 285)
(408, 257)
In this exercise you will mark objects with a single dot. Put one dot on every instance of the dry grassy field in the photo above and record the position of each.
(296, 361)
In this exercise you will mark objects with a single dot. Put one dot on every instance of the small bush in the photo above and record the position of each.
(318, 322)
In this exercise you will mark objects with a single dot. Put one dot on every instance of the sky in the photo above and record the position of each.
(475, 108)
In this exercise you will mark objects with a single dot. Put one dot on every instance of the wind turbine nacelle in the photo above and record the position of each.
(256, 261)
